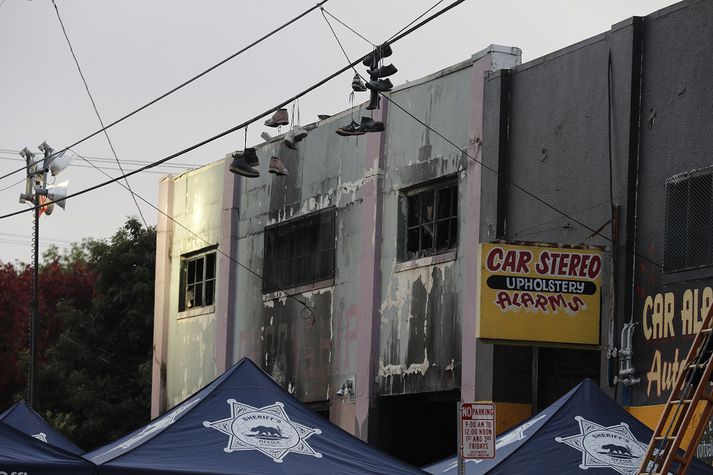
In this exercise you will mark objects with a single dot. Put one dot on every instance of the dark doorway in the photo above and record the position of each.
(419, 428)
(560, 369)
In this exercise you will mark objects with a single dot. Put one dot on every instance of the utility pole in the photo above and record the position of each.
(37, 193)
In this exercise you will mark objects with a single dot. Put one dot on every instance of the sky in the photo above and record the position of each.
(132, 51)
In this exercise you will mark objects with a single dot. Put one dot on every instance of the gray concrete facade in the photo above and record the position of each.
(390, 325)
(572, 148)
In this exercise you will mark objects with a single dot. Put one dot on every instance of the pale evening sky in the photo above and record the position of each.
(132, 51)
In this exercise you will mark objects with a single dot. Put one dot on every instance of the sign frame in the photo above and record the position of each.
(477, 430)
(540, 293)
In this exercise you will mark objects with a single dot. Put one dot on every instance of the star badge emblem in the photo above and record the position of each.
(266, 429)
(614, 447)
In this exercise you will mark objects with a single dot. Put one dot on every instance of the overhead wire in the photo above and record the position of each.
(491, 169)
(241, 125)
(228, 256)
(205, 241)
(156, 172)
(13, 153)
(183, 84)
(117, 180)
(96, 111)
(13, 185)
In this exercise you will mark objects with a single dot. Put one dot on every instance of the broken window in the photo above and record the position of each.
(197, 280)
(431, 220)
(299, 251)
(689, 221)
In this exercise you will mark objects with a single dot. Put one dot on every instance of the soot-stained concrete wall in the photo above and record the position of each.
(420, 349)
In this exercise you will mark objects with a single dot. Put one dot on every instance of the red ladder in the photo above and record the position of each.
(666, 453)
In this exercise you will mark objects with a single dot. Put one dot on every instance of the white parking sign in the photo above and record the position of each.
(477, 430)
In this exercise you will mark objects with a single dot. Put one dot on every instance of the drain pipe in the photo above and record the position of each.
(626, 353)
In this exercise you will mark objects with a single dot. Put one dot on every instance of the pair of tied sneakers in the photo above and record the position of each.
(367, 125)
(376, 84)
(293, 136)
(243, 163)
(379, 53)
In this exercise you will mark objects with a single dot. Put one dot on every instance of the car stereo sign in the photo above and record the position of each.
(532, 293)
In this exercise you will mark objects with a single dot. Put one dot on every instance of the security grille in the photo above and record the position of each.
(299, 251)
(197, 288)
(689, 221)
(431, 220)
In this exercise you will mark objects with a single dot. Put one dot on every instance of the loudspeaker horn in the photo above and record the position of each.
(57, 193)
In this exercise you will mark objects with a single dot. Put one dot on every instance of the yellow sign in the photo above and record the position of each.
(532, 293)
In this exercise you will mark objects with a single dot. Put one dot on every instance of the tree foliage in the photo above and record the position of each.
(58, 281)
(95, 370)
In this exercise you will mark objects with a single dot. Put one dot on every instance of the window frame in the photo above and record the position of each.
(286, 265)
(408, 228)
(202, 256)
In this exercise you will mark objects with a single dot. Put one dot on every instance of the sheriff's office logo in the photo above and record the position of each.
(266, 429)
(41, 436)
(614, 447)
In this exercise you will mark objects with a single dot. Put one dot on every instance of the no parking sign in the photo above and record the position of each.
(477, 422)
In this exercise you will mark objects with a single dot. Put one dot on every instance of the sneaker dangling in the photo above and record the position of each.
(299, 133)
(277, 167)
(251, 157)
(289, 140)
(381, 85)
(358, 84)
(280, 117)
(351, 129)
(382, 72)
(240, 166)
(370, 125)
(374, 101)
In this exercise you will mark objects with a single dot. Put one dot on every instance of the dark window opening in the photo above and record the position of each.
(431, 216)
(197, 288)
(300, 251)
(689, 221)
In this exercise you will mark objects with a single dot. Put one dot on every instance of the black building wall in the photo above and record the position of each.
(583, 141)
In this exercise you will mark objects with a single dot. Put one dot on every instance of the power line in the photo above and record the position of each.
(7, 151)
(231, 258)
(185, 83)
(157, 172)
(542, 201)
(96, 111)
(244, 124)
(13, 185)
(30, 237)
(248, 269)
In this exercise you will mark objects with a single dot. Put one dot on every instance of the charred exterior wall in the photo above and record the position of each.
(420, 348)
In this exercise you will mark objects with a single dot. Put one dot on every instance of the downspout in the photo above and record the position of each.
(632, 195)
(504, 154)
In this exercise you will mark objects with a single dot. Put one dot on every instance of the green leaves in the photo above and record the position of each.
(97, 329)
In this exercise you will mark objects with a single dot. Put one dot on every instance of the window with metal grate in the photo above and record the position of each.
(299, 251)
(688, 238)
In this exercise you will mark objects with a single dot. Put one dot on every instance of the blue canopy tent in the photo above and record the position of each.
(24, 454)
(583, 430)
(243, 423)
(23, 418)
